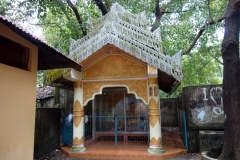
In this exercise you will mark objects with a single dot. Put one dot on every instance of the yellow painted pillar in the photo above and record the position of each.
(78, 119)
(155, 145)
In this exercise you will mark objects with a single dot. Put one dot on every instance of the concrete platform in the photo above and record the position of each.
(172, 144)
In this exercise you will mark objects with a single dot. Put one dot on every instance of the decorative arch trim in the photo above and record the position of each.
(136, 87)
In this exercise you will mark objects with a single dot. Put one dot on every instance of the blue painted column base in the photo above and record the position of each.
(156, 150)
(78, 149)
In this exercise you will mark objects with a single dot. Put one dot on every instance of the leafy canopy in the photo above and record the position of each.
(180, 23)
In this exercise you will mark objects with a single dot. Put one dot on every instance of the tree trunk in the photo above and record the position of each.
(231, 80)
(74, 9)
(101, 6)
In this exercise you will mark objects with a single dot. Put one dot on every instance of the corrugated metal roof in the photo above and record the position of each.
(46, 92)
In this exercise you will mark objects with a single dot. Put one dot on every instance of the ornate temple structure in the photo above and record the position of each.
(122, 71)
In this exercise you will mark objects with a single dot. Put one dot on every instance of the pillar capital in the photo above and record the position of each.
(78, 84)
(152, 81)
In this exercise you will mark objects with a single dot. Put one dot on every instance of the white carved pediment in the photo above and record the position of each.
(128, 32)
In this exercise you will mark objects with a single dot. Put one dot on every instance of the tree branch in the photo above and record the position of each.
(175, 11)
(203, 65)
(171, 23)
(209, 49)
(77, 16)
(209, 11)
(49, 23)
(101, 6)
(158, 14)
(68, 18)
(63, 8)
(200, 33)
(198, 69)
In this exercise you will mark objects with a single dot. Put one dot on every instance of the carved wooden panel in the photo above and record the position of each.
(115, 66)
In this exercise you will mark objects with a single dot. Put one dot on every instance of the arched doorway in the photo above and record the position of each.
(117, 116)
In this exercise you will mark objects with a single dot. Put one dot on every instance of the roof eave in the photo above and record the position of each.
(42, 45)
(166, 82)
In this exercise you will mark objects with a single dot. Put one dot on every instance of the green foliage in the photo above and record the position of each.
(40, 76)
(60, 23)
(38, 103)
(201, 66)
(179, 25)
(3, 5)
(51, 75)
(57, 106)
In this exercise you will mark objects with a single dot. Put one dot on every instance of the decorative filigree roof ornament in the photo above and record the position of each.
(128, 32)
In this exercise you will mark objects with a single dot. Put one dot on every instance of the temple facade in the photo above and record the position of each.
(122, 71)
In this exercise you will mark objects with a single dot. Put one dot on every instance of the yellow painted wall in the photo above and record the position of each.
(17, 105)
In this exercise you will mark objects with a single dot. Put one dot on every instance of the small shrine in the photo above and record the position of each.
(123, 68)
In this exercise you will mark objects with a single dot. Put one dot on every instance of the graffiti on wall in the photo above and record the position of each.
(207, 106)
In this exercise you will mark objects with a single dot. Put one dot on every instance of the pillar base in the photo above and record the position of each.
(156, 150)
(78, 149)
